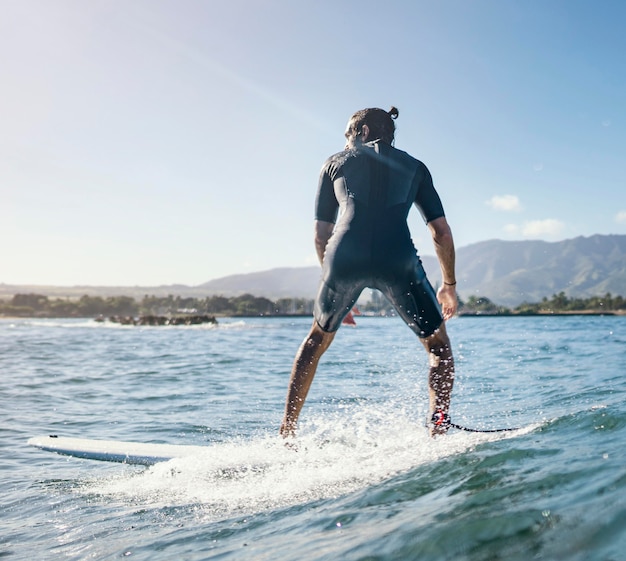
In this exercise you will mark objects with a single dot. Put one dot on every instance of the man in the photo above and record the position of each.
(370, 186)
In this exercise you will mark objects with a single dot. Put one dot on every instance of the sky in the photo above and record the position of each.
(152, 142)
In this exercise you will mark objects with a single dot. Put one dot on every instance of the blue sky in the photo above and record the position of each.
(148, 142)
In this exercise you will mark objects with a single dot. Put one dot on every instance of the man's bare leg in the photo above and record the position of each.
(302, 374)
(441, 373)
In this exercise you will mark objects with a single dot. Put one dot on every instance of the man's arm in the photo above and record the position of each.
(323, 232)
(444, 247)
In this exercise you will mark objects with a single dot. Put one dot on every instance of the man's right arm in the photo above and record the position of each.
(444, 247)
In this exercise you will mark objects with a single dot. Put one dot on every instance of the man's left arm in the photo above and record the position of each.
(323, 232)
(444, 247)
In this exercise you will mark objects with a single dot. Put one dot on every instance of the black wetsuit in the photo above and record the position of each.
(373, 187)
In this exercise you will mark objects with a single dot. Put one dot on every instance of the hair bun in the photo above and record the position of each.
(393, 112)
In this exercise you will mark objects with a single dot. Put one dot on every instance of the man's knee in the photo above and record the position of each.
(318, 338)
(437, 345)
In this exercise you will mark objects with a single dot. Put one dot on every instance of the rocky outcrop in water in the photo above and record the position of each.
(161, 320)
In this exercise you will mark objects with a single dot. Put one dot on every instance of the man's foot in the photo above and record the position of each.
(439, 423)
(291, 444)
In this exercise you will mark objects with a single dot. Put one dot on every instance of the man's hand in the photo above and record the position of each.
(446, 295)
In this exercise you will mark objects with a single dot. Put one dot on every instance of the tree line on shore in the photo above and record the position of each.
(558, 304)
(37, 305)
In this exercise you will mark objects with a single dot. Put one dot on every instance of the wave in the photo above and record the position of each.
(337, 455)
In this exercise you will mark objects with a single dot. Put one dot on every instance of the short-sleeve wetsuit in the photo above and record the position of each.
(372, 188)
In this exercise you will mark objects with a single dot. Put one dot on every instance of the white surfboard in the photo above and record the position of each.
(140, 453)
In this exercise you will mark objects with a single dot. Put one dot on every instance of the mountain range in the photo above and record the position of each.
(506, 272)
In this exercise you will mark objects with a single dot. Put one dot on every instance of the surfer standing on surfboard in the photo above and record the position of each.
(362, 240)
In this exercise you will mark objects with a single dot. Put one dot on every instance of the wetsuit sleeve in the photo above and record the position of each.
(326, 205)
(427, 199)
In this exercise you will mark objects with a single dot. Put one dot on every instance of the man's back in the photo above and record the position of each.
(373, 187)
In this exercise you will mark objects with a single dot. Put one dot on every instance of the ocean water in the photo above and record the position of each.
(366, 483)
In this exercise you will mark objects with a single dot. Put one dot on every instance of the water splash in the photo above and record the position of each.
(336, 455)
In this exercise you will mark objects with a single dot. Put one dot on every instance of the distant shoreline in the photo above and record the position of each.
(461, 315)
(572, 313)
